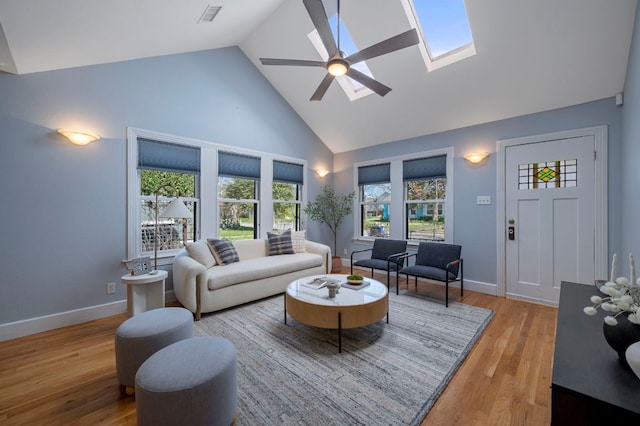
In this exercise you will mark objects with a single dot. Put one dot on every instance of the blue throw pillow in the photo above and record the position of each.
(223, 250)
(280, 243)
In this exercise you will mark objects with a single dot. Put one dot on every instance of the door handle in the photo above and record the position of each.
(512, 233)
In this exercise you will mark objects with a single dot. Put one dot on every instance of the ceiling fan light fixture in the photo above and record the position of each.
(337, 67)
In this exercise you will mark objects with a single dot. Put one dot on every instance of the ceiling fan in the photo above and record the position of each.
(338, 63)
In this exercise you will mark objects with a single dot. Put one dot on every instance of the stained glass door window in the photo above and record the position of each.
(548, 174)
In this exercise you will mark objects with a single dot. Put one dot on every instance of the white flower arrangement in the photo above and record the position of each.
(622, 297)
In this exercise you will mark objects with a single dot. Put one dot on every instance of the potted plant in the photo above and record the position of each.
(331, 209)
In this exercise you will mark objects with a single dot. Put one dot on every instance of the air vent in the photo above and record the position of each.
(209, 14)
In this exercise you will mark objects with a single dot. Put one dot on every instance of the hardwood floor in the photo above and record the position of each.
(67, 376)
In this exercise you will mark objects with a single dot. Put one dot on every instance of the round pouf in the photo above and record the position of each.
(142, 335)
(192, 382)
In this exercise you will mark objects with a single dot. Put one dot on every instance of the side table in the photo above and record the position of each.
(144, 292)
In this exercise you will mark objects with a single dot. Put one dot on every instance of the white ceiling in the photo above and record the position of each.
(532, 56)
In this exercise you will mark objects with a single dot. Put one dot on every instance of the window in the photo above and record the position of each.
(374, 194)
(231, 192)
(408, 197)
(548, 174)
(238, 195)
(167, 171)
(286, 194)
(425, 186)
(444, 26)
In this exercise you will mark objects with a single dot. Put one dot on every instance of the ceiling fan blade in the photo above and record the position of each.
(322, 88)
(405, 39)
(292, 62)
(316, 11)
(367, 81)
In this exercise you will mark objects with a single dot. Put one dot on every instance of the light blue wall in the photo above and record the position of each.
(475, 226)
(63, 213)
(630, 202)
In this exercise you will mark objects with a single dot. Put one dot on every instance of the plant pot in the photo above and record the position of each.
(621, 336)
(336, 264)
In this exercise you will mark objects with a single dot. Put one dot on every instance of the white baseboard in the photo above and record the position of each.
(477, 286)
(30, 326)
(532, 300)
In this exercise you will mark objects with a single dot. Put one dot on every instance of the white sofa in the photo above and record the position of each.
(257, 275)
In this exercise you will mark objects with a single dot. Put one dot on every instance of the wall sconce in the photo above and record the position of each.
(322, 173)
(78, 138)
(476, 157)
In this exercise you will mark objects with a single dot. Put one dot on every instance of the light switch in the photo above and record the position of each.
(483, 200)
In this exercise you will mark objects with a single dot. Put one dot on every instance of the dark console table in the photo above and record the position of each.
(589, 386)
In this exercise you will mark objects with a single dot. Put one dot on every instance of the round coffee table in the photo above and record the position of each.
(351, 308)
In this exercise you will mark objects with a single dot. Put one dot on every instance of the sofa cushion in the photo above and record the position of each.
(298, 241)
(199, 250)
(280, 243)
(223, 251)
(259, 268)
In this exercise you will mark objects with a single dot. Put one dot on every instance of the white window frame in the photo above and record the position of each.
(362, 203)
(255, 201)
(442, 201)
(397, 204)
(297, 201)
(208, 201)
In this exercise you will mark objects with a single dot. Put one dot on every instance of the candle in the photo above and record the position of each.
(613, 268)
(632, 264)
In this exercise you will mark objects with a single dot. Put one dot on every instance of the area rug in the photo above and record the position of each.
(387, 374)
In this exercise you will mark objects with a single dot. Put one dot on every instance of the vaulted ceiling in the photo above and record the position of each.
(532, 56)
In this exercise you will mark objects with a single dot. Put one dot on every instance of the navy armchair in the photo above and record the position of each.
(387, 255)
(439, 262)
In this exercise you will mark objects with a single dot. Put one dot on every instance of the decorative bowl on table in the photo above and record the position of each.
(355, 279)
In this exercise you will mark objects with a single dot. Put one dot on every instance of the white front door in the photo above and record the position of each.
(550, 217)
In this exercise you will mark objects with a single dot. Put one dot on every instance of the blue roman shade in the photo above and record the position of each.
(287, 172)
(377, 173)
(168, 157)
(425, 168)
(238, 165)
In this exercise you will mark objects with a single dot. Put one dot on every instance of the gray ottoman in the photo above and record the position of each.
(142, 335)
(191, 382)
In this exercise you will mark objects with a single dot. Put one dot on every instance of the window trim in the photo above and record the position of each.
(297, 203)
(397, 223)
(208, 186)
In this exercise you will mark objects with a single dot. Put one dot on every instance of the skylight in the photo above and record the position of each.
(445, 30)
(353, 89)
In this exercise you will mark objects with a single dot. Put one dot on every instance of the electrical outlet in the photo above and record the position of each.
(111, 288)
(345, 251)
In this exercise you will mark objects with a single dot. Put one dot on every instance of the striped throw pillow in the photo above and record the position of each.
(223, 251)
(280, 243)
